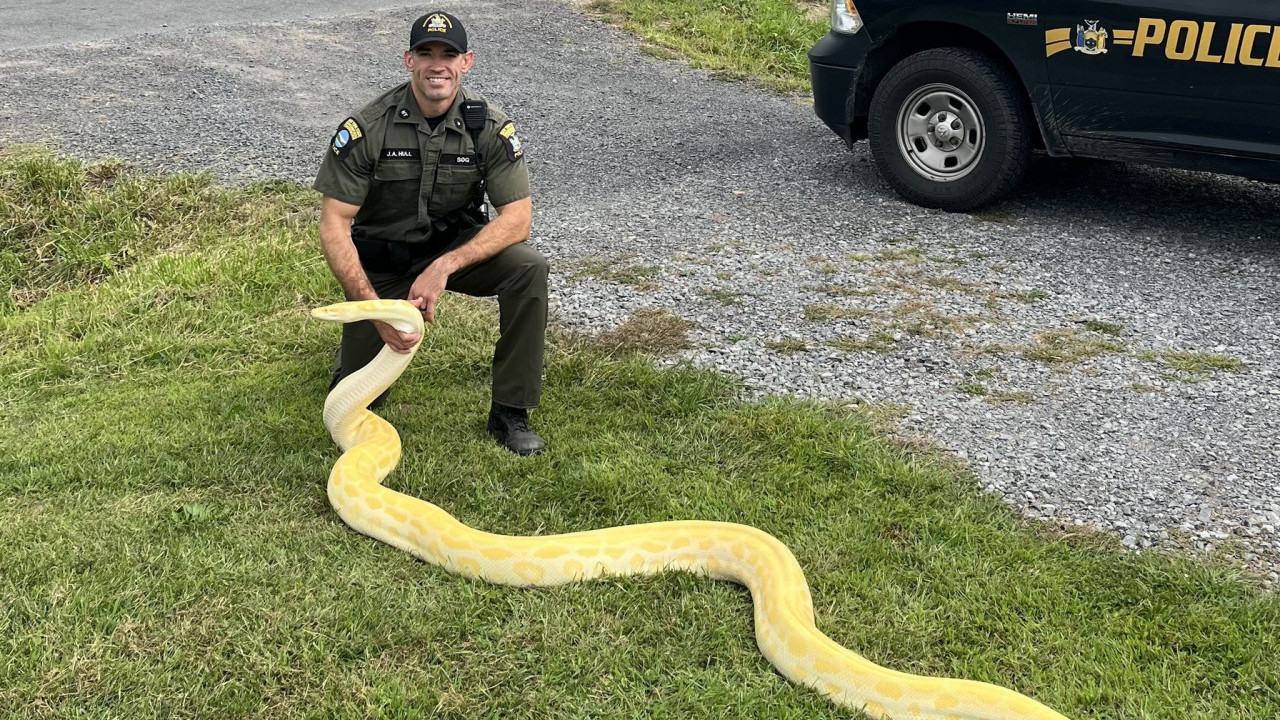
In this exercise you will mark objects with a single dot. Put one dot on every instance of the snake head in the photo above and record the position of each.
(400, 314)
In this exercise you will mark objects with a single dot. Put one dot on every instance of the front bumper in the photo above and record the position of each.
(835, 67)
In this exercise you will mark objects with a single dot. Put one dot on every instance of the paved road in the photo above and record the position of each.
(61, 22)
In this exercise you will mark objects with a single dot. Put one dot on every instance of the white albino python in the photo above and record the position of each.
(784, 624)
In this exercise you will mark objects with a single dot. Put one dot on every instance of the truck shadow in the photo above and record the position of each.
(1177, 207)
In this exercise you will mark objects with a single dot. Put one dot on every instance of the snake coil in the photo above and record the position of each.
(784, 623)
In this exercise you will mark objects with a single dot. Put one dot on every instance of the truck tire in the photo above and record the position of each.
(949, 129)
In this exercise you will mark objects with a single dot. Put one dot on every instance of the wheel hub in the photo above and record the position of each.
(947, 130)
(940, 132)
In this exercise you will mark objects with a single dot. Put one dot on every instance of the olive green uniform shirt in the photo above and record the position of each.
(404, 175)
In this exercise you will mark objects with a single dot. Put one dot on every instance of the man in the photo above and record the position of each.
(403, 217)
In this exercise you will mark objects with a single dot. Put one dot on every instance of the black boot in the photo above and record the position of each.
(510, 427)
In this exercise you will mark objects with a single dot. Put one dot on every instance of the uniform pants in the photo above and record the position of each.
(518, 276)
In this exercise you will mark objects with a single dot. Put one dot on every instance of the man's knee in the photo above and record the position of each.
(529, 270)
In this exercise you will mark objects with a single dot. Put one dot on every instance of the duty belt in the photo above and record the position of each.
(384, 256)
(381, 256)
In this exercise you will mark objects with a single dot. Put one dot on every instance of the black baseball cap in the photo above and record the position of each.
(438, 27)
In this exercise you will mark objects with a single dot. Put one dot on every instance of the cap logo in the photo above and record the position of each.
(438, 23)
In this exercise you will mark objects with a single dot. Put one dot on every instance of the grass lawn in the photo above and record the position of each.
(168, 550)
(764, 41)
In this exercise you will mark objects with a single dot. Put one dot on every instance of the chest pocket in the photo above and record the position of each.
(455, 186)
(391, 171)
(458, 174)
(398, 182)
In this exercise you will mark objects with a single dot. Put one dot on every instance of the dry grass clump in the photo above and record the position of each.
(654, 331)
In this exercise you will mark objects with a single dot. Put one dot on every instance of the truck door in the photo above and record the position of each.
(1173, 73)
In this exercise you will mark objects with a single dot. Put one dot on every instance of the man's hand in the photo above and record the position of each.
(510, 227)
(426, 290)
(396, 340)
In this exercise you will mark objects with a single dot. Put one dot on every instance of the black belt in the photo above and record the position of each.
(384, 256)
(381, 256)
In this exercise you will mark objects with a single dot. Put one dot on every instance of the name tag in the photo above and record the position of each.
(464, 160)
(401, 154)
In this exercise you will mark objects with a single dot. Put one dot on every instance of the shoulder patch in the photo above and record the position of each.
(349, 135)
(508, 134)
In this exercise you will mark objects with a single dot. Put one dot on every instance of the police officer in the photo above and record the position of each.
(403, 217)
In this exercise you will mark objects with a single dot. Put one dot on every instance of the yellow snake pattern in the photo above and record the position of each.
(784, 624)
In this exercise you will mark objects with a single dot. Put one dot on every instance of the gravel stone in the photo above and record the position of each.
(802, 273)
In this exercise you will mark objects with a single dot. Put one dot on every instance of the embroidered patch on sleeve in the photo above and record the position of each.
(512, 143)
(348, 136)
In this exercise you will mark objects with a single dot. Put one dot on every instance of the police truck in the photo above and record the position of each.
(953, 97)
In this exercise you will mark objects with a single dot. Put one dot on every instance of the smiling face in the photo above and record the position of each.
(436, 72)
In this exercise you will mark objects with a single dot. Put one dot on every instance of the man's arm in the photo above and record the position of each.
(514, 221)
(344, 263)
(340, 251)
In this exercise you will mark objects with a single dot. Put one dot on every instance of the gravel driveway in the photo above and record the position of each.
(1101, 348)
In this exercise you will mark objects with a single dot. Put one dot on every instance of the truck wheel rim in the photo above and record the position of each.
(941, 133)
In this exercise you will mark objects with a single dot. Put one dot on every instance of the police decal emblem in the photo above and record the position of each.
(349, 135)
(1090, 39)
(508, 134)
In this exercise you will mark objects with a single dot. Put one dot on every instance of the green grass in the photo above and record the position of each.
(1027, 298)
(169, 551)
(721, 297)
(908, 255)
(1021, 398)
(1190, 366)
(65, 224)
(766, 41)
(879, 341)
(1104, 327)
(640, 277)
(1069, 346)
(787, 346)
(843, 290)
(827, 312)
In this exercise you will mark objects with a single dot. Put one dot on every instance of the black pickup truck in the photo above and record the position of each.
(954, 95)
